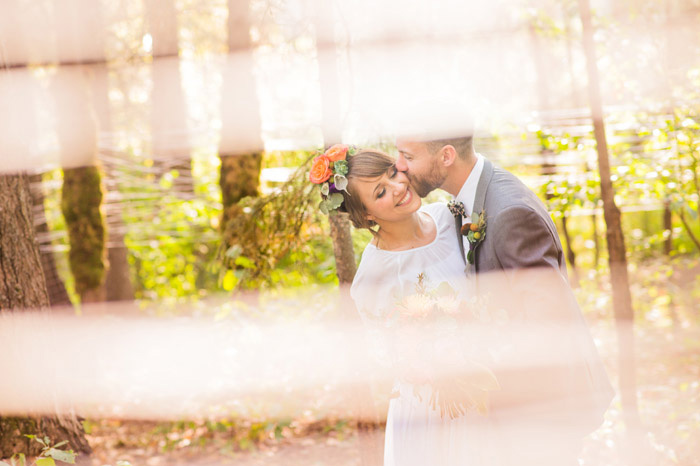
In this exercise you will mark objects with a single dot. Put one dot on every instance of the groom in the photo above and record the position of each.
(554, 389)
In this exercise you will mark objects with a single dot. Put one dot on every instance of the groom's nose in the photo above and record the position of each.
(401, 164)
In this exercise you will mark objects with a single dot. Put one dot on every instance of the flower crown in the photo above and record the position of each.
(329, 170)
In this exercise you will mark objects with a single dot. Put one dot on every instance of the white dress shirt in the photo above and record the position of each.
(467, 194)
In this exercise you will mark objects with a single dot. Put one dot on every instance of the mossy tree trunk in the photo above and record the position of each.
(81, 198)
(22, 285)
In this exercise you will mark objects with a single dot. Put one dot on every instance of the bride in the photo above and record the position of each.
(408, 272)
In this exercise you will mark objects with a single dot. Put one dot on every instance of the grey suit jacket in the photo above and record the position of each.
(520, 266)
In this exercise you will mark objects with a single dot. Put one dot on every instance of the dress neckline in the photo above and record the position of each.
(437, 235)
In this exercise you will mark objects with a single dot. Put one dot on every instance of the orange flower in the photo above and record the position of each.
(337, 152)
(320, 170)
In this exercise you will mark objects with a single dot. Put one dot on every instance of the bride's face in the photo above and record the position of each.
(388, 198)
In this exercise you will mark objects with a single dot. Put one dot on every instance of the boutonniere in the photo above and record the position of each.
(475, 233)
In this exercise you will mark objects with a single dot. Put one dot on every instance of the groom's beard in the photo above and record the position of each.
(423, 185)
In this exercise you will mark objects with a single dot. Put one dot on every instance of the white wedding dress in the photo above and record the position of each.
(416, 434)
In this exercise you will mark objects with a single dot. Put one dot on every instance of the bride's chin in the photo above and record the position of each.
(411, 211)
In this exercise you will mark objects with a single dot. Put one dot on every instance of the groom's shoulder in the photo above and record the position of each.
(507, 191)
(507, 188)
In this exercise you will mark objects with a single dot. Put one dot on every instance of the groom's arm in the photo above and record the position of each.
(522, 239)
(527, 252)
(539, 303)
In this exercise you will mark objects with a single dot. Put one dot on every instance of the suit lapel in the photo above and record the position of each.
(479, 199)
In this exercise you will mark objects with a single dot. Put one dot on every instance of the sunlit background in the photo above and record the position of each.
(154, 94)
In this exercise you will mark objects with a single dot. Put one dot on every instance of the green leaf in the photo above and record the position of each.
(245, 262)
(61, 455)
(340, 168)
(335, 199)
(325, 189)
(323, 206)
(45, 462)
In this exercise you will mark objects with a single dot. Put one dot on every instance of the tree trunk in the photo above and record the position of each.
(239, 177)
(22, 285)
(668, 247)
(342, 247)
(240, 148)
(80, 203)
(82, 192)
(169, 143)
(570, 255)
(596, 241)
(118, 283)
(622, 300)
(58, 296)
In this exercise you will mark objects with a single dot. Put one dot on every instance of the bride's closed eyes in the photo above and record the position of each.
(391, 173)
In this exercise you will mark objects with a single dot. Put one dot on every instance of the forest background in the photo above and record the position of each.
(167, 170)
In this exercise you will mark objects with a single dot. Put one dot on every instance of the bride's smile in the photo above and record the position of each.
(406, 198)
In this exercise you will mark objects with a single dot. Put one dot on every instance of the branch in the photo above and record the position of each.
(687, 228)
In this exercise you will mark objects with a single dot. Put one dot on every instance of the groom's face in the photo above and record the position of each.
(422, 167)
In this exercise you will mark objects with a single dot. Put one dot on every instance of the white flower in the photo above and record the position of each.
(417, 305)
(341, 183)
(448, 304)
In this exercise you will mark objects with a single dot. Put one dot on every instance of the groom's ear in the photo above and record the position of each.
(448, 155)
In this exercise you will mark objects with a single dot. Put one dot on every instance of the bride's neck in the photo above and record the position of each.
(409, 233)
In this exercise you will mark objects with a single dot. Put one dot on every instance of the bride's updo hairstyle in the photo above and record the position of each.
(368, 163)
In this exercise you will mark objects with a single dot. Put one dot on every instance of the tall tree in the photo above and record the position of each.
(81, 196)
(22, 286)
(169, 134)
(240, 149)
(118, 283)
(617, 259)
